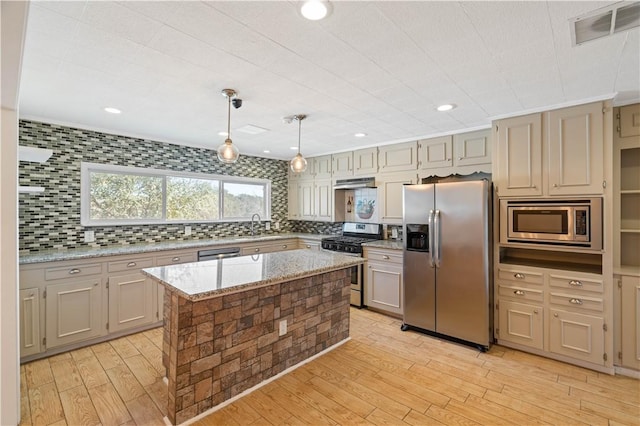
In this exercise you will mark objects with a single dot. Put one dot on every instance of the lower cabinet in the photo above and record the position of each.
(577, 335)
(73, 312)
(29, 321)
(521, 323)
(383, 287)
(131, 301)
(630, 324)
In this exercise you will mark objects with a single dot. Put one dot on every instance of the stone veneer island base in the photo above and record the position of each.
(221, 339)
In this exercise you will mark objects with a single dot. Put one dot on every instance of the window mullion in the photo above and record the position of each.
(164, 198)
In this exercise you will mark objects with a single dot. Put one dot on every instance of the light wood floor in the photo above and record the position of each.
(381, 376)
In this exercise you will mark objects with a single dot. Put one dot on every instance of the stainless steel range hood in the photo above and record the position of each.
(354, 183)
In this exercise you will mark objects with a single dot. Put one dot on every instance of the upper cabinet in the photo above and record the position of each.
(556, 153)
(365, 162)
(342, 164)
(464, 153)
(322, 167)
(398, 158)
(518, 167)
(576, 163)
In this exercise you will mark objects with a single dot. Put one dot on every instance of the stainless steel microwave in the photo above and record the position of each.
(569, 223)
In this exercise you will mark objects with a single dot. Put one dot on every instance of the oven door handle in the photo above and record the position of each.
(431, 243)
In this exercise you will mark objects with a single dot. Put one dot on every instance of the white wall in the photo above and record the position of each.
(13, 16)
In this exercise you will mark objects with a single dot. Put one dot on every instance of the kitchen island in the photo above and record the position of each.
(232, 323)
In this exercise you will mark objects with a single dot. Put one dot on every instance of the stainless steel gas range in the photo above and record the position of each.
(350, 243)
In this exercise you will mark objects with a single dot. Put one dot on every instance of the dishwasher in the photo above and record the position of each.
(219, 253)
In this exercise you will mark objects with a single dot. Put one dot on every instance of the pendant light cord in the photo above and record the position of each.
(229, 118)
(299, 132)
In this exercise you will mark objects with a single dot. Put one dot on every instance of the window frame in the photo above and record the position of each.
(85, 200)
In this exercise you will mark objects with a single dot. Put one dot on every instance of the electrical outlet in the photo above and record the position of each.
(89, 236)
(283, 328)
(277, 225)
(267, 226)
(187, 231)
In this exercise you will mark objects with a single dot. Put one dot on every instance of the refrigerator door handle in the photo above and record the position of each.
(431, 246)
(436, 224)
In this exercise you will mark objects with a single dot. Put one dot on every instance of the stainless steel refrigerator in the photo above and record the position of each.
(447, 260)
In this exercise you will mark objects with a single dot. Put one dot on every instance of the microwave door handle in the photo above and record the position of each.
(431, 232)
(436, 243)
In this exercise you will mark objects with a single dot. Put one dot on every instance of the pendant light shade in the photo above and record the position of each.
(298, 163)
(227, 152)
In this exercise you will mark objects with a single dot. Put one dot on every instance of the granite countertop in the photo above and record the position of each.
(384, 244)
(204, 280)
(91, 252)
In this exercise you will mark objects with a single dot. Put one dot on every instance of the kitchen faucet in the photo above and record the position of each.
(254, 215)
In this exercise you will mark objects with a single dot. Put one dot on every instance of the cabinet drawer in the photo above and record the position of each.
(73, 271)
(176, 259)
(575, 283)
(577, 301)
(385, 257)
(130, 264)
(520, 293)
(517, 275)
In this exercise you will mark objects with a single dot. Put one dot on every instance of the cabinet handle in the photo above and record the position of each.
(459, 158)
(175, 259)
(308, 246)
(555, 315)
(518, 292)
(385, 257)
(575, 301)
(535, 311)
(257, 250)
(95, 284)
(575, 283)
(131, 264)
(74, 271)
(555, 185)
(519, 276)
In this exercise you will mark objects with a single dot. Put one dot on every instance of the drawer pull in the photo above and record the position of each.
(518, 292)
(308, 246)
(535, 311)
(575, 283)
(175, 259)
(131, 264)
(575, 301)
(74, 271)
(284, 246)
(257, 250)
(555, 315)
(519, 276)
(385, 257)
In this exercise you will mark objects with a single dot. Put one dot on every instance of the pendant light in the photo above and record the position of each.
(227, 152)
(298, 163)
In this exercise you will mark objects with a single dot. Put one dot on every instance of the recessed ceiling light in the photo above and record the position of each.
(293, 147)
(360, 135)
(112, 110)
(223, 134)
(446, 107)
(266, 151)
(314, 10)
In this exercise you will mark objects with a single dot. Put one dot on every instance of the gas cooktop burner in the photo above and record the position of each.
(352, 243)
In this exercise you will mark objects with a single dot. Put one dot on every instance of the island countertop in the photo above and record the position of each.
(212, 278)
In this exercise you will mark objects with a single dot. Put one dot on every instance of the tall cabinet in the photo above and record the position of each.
(626, 166)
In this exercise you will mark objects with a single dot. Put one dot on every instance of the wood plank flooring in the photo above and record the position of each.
(381, 376)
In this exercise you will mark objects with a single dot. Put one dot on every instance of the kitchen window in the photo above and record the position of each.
(118, 195)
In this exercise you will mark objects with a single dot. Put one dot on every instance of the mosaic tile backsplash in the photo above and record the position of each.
(51, 220)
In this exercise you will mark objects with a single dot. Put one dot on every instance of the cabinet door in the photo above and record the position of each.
(390, 196)
(576, 335)
(576, 150)
(323, 199)
(521, 323)
(342, 164)
(435, 153)
(365, 162)
(29, 321)
(518, 168)
(131, 301)
(630, 120)
(383, 287)
(293, 201)
(322, 167)
(472, 148)
(631, 322)
(306, 203)
(73, 312)
(398, 157)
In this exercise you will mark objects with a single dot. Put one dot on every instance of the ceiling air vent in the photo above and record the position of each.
(604, 22)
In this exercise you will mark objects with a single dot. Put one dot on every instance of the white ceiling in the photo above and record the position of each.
(372, 66)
